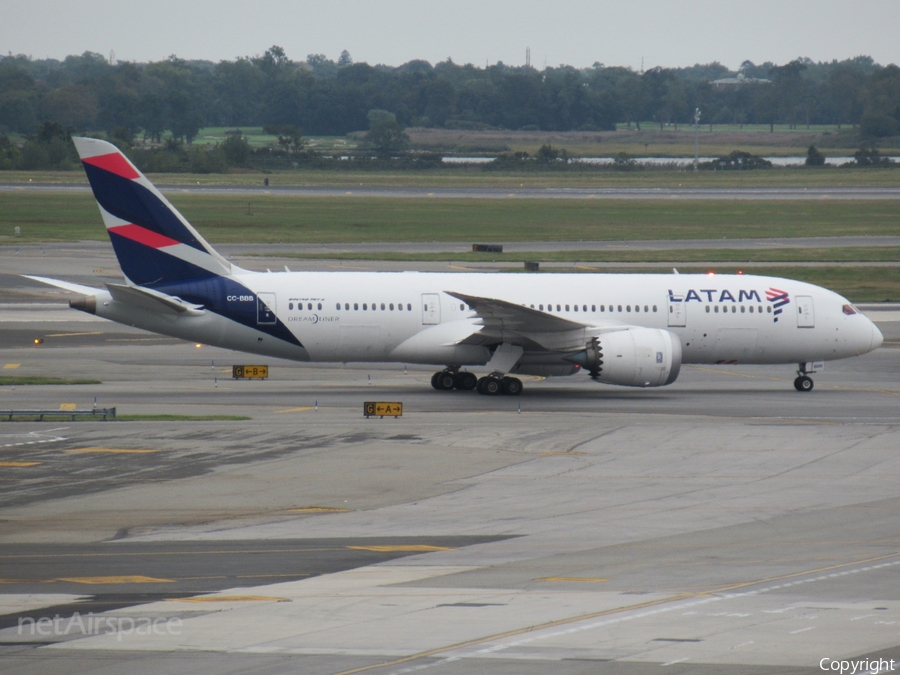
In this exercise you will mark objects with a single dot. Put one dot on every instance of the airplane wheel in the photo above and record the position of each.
(466, 381)
(434, 381)
(445, 381)
(512, 386)
(489, 386)
(803, 383)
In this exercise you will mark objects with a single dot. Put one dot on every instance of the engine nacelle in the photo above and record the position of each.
(634, 357)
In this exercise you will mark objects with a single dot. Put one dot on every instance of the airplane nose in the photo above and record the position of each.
(877, 338)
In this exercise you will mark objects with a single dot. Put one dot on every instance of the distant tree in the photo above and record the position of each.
(71, 105)
(290, 138)
(385, 135)
(869, 158)
(236, 149)
(814, 157)
(274, 62)
(345, 59)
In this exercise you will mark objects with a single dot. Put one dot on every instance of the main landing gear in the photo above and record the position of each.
(491, 385)
(803, 382)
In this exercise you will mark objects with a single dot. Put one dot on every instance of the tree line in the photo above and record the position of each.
(325, 97)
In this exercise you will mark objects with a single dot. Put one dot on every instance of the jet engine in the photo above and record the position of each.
(633, 357)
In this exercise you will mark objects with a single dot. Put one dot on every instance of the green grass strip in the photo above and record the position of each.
(36, 379)
(294, 219)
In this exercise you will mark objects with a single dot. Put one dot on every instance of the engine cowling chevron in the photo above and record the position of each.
(634, 357)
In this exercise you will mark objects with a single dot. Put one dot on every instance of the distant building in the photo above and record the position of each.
(738, 81)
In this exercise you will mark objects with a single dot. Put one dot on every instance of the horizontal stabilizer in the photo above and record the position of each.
(152, 301)
(65, 285)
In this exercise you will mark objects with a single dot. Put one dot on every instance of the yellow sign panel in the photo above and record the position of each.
(68, 406)
(382, 409)
(250, 372)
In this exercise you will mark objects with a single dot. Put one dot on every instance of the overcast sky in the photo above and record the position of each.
(666, 33)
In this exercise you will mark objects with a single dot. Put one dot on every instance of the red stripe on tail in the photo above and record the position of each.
(144, 236)
(115, 163)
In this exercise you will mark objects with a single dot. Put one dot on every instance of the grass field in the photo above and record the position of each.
(60, 216)
(276, 218)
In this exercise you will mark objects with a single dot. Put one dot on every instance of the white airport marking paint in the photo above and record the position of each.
(534, 637)
(37, 439)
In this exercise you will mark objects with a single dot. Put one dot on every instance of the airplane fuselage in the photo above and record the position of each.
(410, 317)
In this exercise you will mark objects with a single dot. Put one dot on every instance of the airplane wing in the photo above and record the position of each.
(504, 321)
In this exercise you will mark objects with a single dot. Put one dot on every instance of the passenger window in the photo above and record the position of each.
(558, 309)
(628, 308)
(707, 309)
(290, 305)
(408, 307)
(734, 309)
(717, 309)
(365, 306)
(743, 309)
(654, 308)
(346, 305)
(646, 309)
(339, 306)
(576, 307)
(462, 308)
(541, 307)
(400, 307)
(637, 308)
(751, 309)
(356, 305)
(391, 306)
(382, 305)
(320, 305)
(567, 308)
(620, 308)
(769, 309)
(593, 308)
(309, 306)
(602, 308)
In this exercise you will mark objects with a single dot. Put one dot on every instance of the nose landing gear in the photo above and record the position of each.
(804, 381)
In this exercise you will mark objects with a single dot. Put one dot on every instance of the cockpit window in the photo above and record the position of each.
(849, 310)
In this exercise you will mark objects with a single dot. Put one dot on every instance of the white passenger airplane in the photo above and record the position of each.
(626, 329)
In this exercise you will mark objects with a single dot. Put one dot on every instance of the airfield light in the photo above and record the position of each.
(198, 345)
(38, 341)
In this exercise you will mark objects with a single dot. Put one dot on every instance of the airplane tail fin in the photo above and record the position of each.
(153, 242)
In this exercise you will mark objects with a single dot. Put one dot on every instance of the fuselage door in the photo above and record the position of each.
(677, 318)
(431, 309)
(806, 314)
(265, 309)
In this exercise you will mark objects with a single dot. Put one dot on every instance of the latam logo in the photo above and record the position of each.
(778, 299)
(715, 295)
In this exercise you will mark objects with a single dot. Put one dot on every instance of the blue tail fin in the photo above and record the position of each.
(155, 245)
